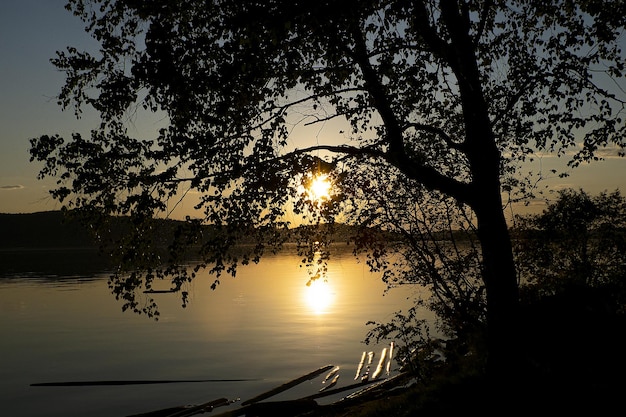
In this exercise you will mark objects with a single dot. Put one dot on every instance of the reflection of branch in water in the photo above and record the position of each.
(381, 363)
(361, 363)
(331, 384)
(331, 374)
(390, 357)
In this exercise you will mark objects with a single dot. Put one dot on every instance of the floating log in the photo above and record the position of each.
(366, 374)
(185, 411)
(380, 384)
(201, 408)
(132, 382)
(391, 346)
(287, 385)
(381, 363)
(333, 391)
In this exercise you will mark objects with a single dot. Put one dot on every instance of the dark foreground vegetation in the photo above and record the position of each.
(575, 363)
(572, 267)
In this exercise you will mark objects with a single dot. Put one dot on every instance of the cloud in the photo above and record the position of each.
(11, 187)
(610, 152)
(562, 186)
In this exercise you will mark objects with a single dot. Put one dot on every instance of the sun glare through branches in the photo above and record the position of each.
(320, 187)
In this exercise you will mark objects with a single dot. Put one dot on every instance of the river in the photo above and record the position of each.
(59, 323)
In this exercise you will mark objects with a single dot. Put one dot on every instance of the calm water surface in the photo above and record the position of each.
(59, 322)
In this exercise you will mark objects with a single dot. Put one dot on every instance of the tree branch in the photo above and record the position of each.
(482, 24)
(511, 103)
(276, 111)
(339, 149)
(428, 33)
(375, 88)
(439, 132)
(327, 118)
(344, 149)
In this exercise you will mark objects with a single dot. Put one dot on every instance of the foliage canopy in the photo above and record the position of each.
(441, 100)
(579, 241)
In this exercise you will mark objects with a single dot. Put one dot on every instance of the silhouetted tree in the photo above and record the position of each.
(570, 260)
(578, 242)
(443, 96)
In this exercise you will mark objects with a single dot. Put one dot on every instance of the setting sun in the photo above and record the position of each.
(320, 187)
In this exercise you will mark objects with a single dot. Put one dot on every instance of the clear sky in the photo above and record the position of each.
(30, 33)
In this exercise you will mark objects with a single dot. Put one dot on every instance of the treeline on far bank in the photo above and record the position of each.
(574, 217)
(59, 229)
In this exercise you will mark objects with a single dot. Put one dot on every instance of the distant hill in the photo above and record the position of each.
(54, 229)
(50, 229)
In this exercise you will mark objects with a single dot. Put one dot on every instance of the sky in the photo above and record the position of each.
(30, 33)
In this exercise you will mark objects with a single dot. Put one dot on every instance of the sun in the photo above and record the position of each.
(320, 187)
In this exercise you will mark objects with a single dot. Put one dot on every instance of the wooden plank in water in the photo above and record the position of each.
(333, 391)
(390, 357)
(331, 374)
(131, 382)
(378, 385)
(185, 411)
(287, 385)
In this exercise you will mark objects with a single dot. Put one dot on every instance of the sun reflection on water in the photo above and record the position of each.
(319, 296)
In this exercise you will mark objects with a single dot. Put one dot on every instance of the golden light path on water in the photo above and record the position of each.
(319, 296)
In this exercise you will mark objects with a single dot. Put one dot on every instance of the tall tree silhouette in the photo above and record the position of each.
(442, 96)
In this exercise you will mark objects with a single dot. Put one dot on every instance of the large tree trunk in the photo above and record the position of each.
(486, 200)
(498, 273)
(501, 286)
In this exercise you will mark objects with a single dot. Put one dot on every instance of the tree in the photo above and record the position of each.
(570, 261)
(578, 242)
(436, 248)
(444, 97)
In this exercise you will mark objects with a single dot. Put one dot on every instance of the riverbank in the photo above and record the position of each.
(472, 395)
(575, 361)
